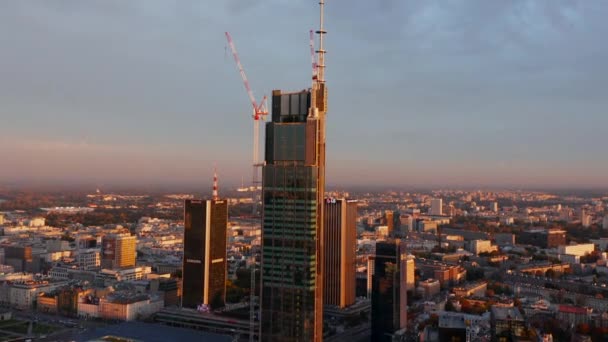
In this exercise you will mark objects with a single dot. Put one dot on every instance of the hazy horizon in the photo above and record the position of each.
(421, 94)
(230, 188)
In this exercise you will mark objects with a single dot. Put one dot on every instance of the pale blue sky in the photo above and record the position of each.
(421, 93)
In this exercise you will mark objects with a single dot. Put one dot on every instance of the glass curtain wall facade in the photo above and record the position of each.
(204, 263)
(389, 291)
(290, 214)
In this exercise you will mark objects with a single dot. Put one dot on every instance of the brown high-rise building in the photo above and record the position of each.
(371, 263)
(119, 250)
(390, 222)
(340, 252)
(204, 263)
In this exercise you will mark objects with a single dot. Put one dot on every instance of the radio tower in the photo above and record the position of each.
(215, 194)
(259, 113)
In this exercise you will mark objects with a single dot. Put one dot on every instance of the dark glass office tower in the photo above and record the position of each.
(204, 263)
(389, 291)
(290, 213)
(293, 226)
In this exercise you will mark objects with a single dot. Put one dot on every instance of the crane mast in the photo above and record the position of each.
(312, 55)
(260, 112)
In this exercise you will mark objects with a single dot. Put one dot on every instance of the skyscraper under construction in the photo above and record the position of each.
(292, 228)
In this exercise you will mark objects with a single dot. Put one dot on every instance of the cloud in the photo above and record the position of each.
(147, 90)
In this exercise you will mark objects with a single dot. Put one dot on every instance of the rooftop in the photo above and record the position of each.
(452, 322)
(470, 286)
(139, 331)
(126, 298)
(574, 310)
(502, 313)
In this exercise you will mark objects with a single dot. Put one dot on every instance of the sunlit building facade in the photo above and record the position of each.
(340, 238)
(293, 188)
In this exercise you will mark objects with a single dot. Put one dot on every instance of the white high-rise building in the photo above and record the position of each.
(436, 207)
(495, 207)
(585, 219)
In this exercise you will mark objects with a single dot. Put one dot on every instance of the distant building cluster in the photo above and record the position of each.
(391, 260)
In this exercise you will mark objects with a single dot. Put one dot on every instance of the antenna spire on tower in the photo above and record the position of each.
(318, 96)
(321, 52)
(215, 195)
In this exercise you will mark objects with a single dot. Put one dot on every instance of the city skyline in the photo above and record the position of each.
(119, 112)
(515, 103)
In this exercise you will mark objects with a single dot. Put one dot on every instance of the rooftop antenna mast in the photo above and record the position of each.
(318, 110)
(215, 194)
(318, 66)
(321, 52)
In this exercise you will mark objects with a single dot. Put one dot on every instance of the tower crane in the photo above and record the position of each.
(260, 111)
(312, 55)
